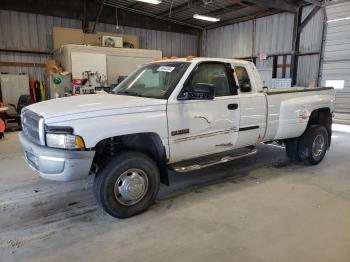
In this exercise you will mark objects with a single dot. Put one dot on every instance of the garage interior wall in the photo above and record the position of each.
(273, 35)
(336, 58)
(33, 32)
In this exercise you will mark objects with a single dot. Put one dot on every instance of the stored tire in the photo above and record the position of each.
(292, 148)
(127, 185)
(313, 144)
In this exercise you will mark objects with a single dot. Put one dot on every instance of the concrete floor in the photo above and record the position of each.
(261, 208)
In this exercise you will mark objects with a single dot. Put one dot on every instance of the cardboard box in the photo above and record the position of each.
(52, 67)
(64, 36)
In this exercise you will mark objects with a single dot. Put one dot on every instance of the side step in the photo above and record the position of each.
(207, 161)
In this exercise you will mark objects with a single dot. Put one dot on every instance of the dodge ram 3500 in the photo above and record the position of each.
(180, 114)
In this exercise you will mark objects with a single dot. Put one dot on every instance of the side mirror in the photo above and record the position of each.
(245, 87)
(200, 91)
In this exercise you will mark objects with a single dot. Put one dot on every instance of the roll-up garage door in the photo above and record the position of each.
(336, 58)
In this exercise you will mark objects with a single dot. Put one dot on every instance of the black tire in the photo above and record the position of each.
(105, 183)
(306, 143)
(292, 148)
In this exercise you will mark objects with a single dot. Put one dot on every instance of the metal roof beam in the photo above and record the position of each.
(242, 19)
(221, 11)
(314, 2)
(137, 5)
(228, 9)
(181, 8)
(308, 18)
(98, 15)
(275, 4)
(122, 7)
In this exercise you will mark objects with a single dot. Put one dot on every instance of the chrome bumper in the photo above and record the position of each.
(56, 164)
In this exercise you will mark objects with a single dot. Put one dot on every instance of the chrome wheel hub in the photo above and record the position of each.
(131, 187)
(318, 146)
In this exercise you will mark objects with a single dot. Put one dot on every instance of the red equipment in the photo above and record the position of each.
(3, 111)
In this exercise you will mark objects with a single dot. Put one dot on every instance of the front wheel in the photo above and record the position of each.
(313, 144)
(127, 185)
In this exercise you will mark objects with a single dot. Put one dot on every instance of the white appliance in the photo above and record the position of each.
(112, 41)
(86, 61)
(266, 76)
(111, 62)
(281, 83)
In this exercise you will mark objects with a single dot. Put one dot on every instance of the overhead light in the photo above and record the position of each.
(339, 19)
(206, 18)
(153, 2)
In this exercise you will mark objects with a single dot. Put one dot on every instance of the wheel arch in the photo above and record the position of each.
(148, 143)
(322, 116)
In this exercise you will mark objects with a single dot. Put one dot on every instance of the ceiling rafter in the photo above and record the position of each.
(314, 2)
(276, 4)
(181, 7)
(266, 12)
(137, 11)
(226, 7)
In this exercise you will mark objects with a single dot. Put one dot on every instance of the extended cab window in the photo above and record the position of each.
(242, 76)
(212, 73)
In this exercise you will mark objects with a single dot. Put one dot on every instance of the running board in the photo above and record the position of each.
(208, 161)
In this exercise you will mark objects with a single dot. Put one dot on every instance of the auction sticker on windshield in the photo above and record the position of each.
(166, 69)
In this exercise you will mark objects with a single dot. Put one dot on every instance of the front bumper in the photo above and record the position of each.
(56, 164)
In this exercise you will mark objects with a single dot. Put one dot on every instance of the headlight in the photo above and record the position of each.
(65, 141)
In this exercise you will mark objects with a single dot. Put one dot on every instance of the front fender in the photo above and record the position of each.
(96, 129)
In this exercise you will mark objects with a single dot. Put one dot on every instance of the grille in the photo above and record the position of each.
(30, 126)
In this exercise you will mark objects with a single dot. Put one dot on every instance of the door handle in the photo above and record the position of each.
(232, 106)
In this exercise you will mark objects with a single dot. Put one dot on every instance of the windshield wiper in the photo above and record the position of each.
(128, 93)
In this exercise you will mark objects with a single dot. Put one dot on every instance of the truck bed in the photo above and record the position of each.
(288, 110)
(274, 91)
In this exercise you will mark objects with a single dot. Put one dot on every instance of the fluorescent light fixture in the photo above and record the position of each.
(206, 18)
(337, 84)
(339, 19)
(153, 2)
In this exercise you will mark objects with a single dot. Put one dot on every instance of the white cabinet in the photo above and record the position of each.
(118, 61)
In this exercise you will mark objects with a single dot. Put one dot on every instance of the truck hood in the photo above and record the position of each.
(94, 105)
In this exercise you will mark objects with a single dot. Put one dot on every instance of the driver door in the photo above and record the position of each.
(202, 127)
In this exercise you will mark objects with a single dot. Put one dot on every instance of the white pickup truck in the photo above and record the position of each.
(179, 114)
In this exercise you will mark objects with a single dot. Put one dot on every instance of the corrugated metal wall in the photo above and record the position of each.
(336, 59)
(25, 31)
(310, 41)
(273, 35)
(230, 41)
(33, 72)
(170, 43)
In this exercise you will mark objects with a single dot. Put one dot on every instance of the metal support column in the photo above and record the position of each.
(98, 15)
(299, 25)
(320, 65)
(295, 46)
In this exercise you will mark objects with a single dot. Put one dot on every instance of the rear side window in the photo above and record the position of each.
(215, 74)
(242, 76)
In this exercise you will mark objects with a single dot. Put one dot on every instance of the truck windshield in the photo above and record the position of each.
(155, 80)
